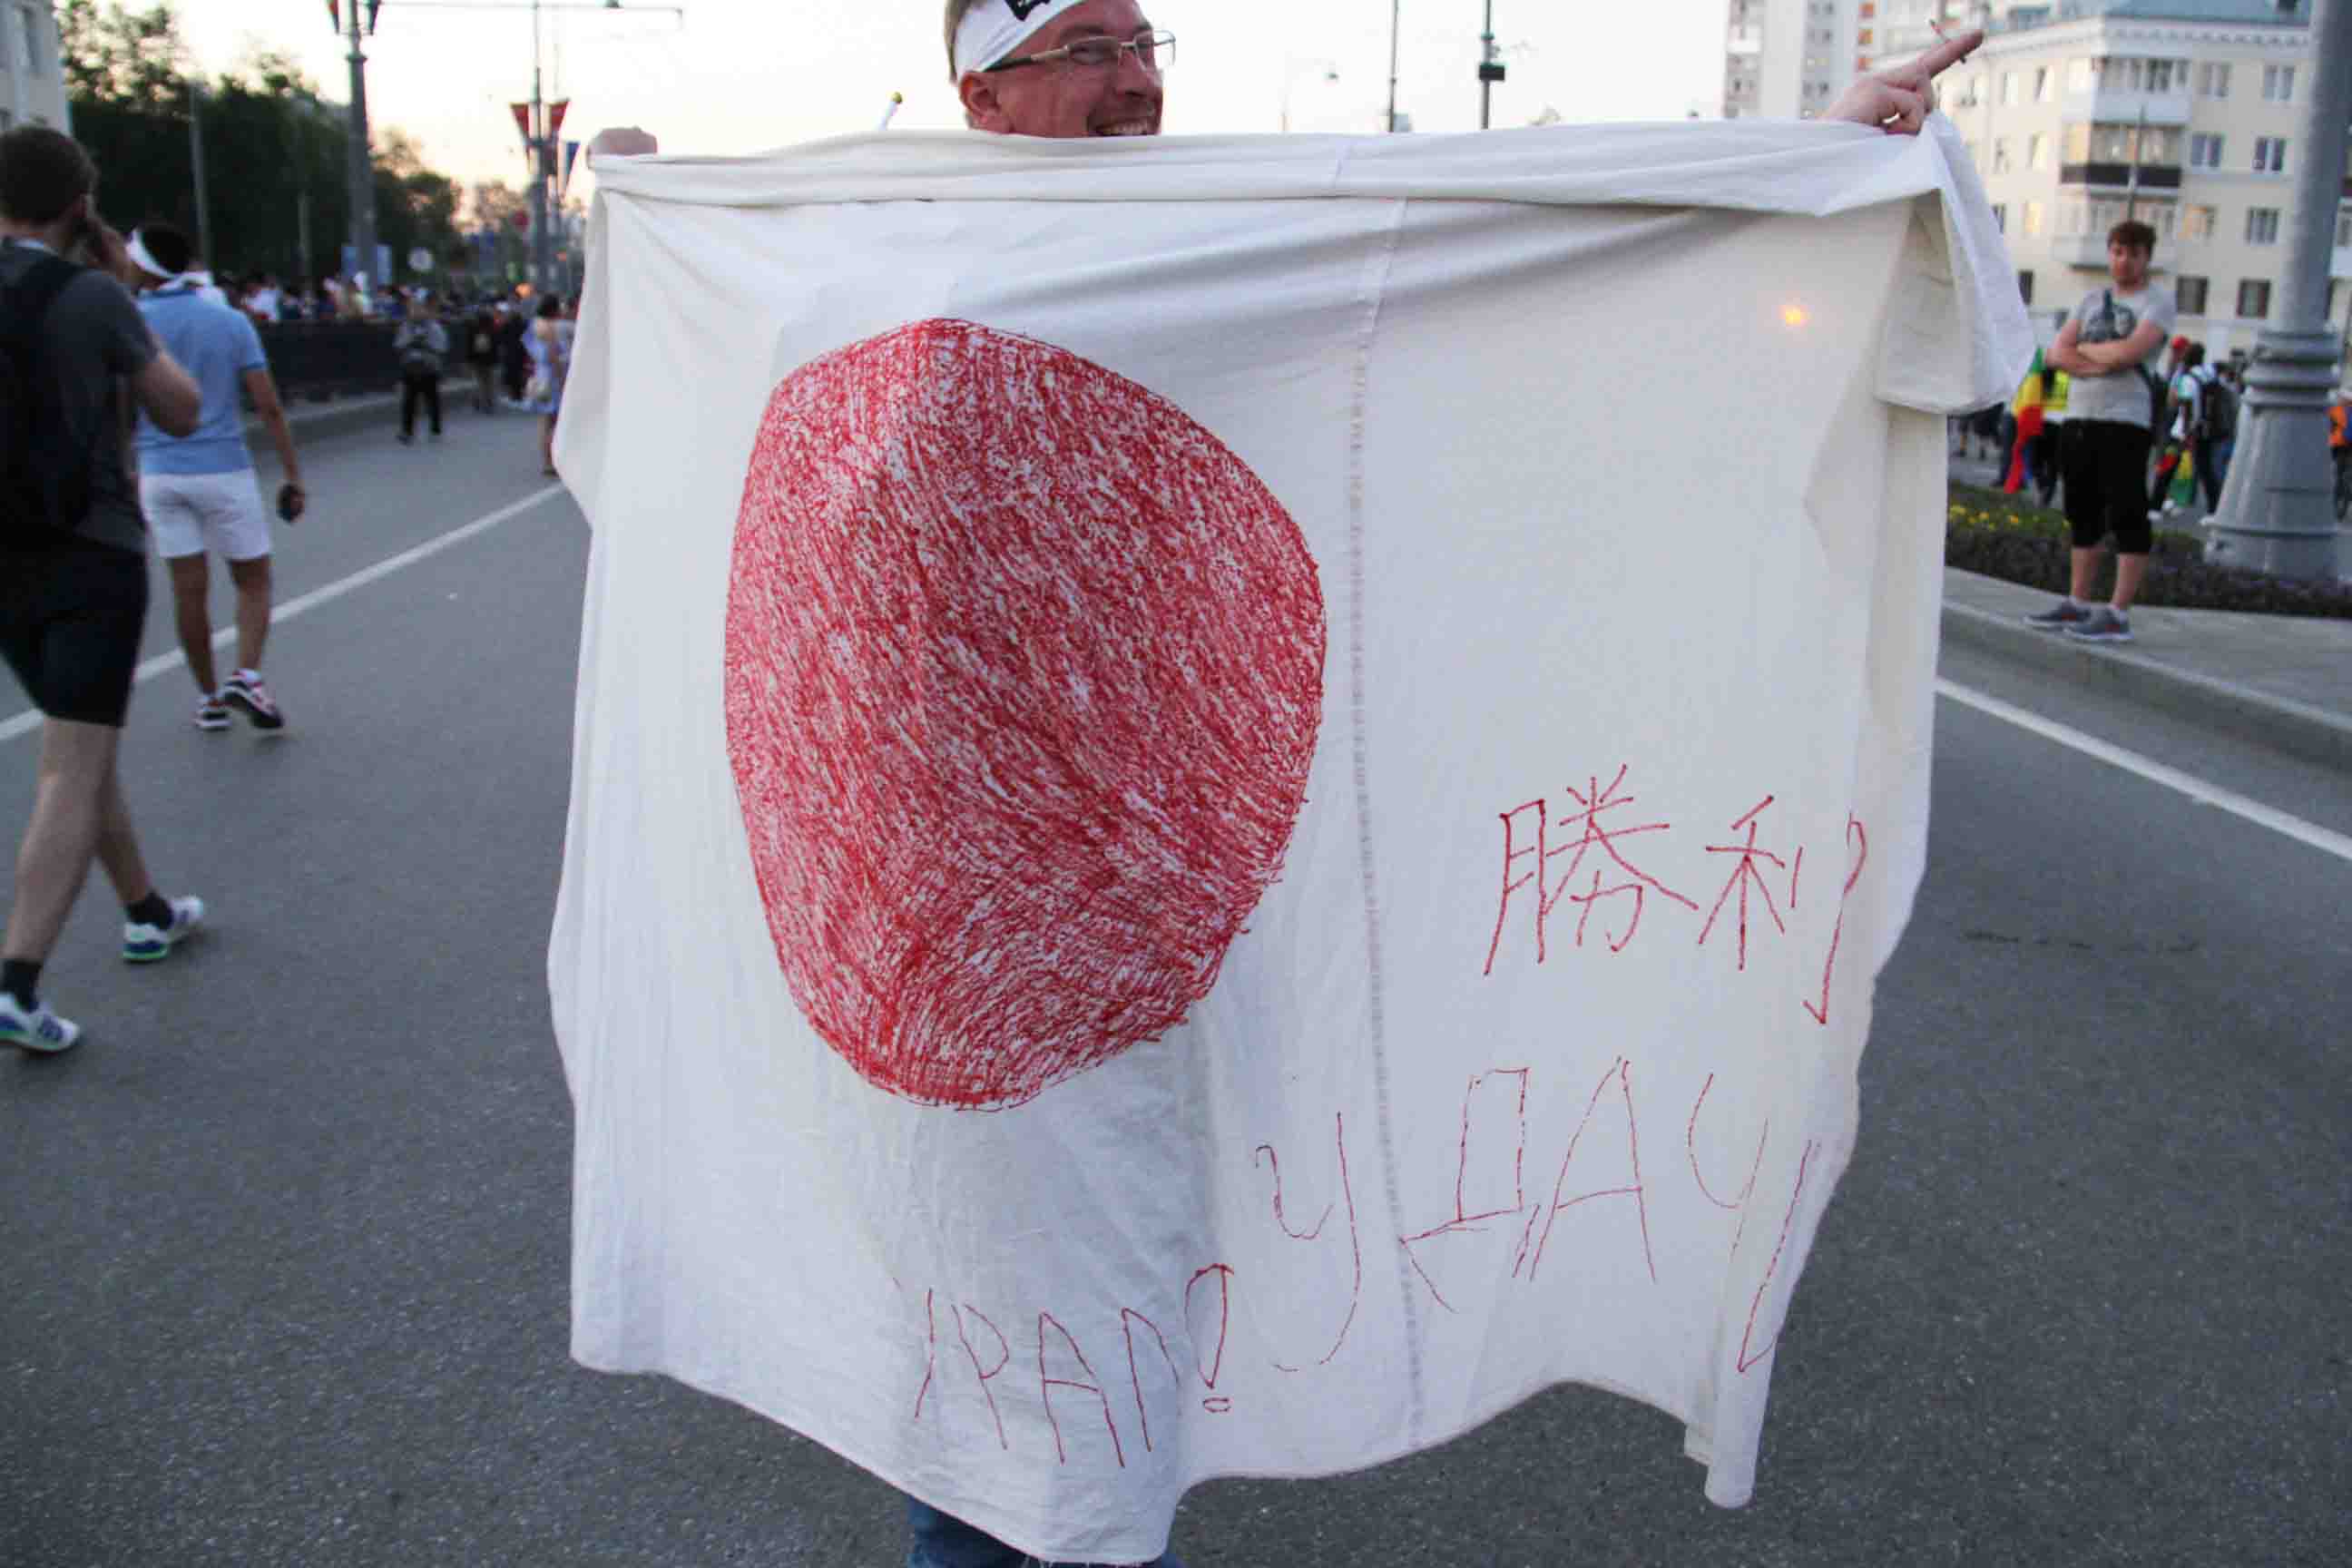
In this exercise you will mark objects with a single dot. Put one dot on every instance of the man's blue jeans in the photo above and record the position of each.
(941, 1540)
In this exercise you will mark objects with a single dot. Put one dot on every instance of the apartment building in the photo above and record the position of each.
(2186, 114)
(32, 77)
(1788, 60)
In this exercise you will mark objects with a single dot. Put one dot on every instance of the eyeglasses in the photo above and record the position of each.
(1155, 52)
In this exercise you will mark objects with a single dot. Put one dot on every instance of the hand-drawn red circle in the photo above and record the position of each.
(1024, 675)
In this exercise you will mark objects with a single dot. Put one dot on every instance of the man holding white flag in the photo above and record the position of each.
(1066, 70)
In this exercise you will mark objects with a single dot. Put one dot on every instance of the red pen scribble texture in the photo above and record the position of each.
(1025, 670)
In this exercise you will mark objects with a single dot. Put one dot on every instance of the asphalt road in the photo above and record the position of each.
(283, 1267)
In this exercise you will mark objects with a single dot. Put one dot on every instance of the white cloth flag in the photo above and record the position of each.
(1235, 801)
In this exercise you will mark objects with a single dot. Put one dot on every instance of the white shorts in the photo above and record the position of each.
(191, 513)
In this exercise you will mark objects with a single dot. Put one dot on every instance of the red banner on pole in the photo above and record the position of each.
(335, 14)
(555, 117)
(522, 122)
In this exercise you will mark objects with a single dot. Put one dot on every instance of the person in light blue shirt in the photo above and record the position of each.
(199, 492)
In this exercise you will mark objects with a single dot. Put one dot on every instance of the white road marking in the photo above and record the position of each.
(2323, 839)
(163, 663)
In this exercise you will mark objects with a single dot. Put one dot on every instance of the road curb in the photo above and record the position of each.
(2297, 729)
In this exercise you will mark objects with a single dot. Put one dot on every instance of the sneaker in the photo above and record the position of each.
(211, 713)
(2064, 615)
(407, 440)
(143, 943)
(251, 693)
(2103, 625)
(38, 1030)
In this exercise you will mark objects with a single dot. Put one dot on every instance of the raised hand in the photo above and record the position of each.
(1899, 101)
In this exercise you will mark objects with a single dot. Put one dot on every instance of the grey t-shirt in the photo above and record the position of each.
(2109, 316)
(93, 336)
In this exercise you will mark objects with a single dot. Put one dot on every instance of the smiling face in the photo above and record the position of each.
(1063, 99)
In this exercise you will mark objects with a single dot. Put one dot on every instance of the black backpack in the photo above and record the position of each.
(2217, 410)
(43, 486)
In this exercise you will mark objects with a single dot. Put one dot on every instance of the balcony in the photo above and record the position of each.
(2106, 106)
(2152, 177)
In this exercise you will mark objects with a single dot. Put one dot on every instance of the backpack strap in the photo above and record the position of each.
(38, 288)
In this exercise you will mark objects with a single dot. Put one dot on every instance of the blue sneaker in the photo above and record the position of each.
(37, 1031)
(143, 943)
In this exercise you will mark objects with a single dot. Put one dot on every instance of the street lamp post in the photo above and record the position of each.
(196, 163)
(1396, 27)
(359, 168)
(2275, 514)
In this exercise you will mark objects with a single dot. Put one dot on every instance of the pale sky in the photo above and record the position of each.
(743, 76)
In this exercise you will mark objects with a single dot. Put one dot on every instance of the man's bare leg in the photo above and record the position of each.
(2129, 570)
(2086, 575)
(68, 807)
(117, 844)
(191, 582)
(252, 580)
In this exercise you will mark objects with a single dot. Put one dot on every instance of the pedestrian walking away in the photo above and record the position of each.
(73, 574)
(423, 344)
(200, 491)
(2105, 347)
(1071, 69)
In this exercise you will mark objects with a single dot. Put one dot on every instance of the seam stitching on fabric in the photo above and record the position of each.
(1371, 291)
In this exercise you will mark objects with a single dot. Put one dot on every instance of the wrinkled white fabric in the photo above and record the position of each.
(1496, 577)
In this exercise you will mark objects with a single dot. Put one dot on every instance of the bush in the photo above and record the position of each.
(2011, 538)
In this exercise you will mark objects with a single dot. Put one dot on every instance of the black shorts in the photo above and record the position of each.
(2105, 465)
(71, 618)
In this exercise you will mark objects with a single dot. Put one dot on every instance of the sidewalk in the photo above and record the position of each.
(2283, 681)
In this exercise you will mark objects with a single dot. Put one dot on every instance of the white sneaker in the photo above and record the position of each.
(39, 1031)
(144, 944)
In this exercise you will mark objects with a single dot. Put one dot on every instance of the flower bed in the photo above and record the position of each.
(2011, 538)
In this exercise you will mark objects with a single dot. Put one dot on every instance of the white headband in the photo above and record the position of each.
(993, 29)
(144, 259)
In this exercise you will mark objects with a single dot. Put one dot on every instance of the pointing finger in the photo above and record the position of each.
(1943, 57)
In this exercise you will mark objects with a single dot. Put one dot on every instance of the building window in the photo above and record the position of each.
(2073, 220)
(2001, 154)
(2278, 83)
(2033, 216)
(2045, 85)
(29, 41)
(2079, 76)
(2000, 217)
(2255, 299)
(2037, 151)
(2262, 226)
(2010, 87)
(2168, 76)
(2025, 287)
(2204, 151)
(2270, 154)
(2213, 80)
(2188, 294)
(2343, 230)
(2199, 222)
